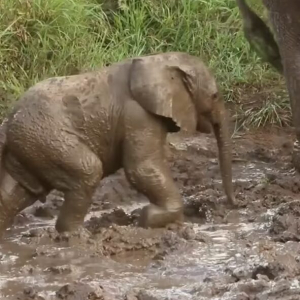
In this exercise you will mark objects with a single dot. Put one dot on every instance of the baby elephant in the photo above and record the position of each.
(67, 133)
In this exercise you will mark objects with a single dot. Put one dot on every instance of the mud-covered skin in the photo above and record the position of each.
(67, 133)
(285, 22)
(284, 17)
(259, 36)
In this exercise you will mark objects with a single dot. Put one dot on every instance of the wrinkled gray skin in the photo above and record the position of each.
(67, 133)
(285, 20)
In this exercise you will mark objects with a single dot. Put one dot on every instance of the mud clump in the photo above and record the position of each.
(116, 217)
(290, 184)
(81, 291)
(286, 222)
(30, 294)
(141, 295)
(268, 271)
(282, 289)
(264, 290)
(258, 289)
(205, 208)
(116, 233)
(117, 239)
(262, 154)
(47, 241)
(67, 269)
(102, 236)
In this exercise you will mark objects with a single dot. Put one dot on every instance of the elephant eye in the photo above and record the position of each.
(215, 96)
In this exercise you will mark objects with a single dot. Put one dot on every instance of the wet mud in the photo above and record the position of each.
(251, 253)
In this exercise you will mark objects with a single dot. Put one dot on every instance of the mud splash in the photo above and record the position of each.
(250, 253)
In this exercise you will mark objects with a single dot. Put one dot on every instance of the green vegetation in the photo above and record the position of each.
(39, 39)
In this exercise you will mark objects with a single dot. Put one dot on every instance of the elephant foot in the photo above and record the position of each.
(81, 232)
(64, 225)
(296, 156)
(154, 216)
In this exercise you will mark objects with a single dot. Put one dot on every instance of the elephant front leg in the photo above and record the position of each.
(285, 22)
(74, 209)
(147, 170)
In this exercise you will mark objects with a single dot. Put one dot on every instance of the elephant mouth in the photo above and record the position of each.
(204, 125)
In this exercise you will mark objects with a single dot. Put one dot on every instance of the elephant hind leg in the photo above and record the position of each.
(13, 199)
(80, 173)
(18, 189)
(146, 168)
(61, 161)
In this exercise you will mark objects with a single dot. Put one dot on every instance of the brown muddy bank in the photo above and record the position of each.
(251, 253)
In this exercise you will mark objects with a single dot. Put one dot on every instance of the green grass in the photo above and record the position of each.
(39, 39)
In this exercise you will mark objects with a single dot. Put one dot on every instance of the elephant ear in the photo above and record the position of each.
(163, 90)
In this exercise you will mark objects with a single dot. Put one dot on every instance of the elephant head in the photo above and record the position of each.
(284, 53)
(180, 89)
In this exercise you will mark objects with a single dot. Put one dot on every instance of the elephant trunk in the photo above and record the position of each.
(221, 130)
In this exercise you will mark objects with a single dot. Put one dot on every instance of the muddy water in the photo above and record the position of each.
(250, 253)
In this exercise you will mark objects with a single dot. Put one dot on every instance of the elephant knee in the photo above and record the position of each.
(143, 176)
(84, 173)
(93, 173)
(156, 183)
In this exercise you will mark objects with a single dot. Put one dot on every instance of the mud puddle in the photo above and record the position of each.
(249, 253)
